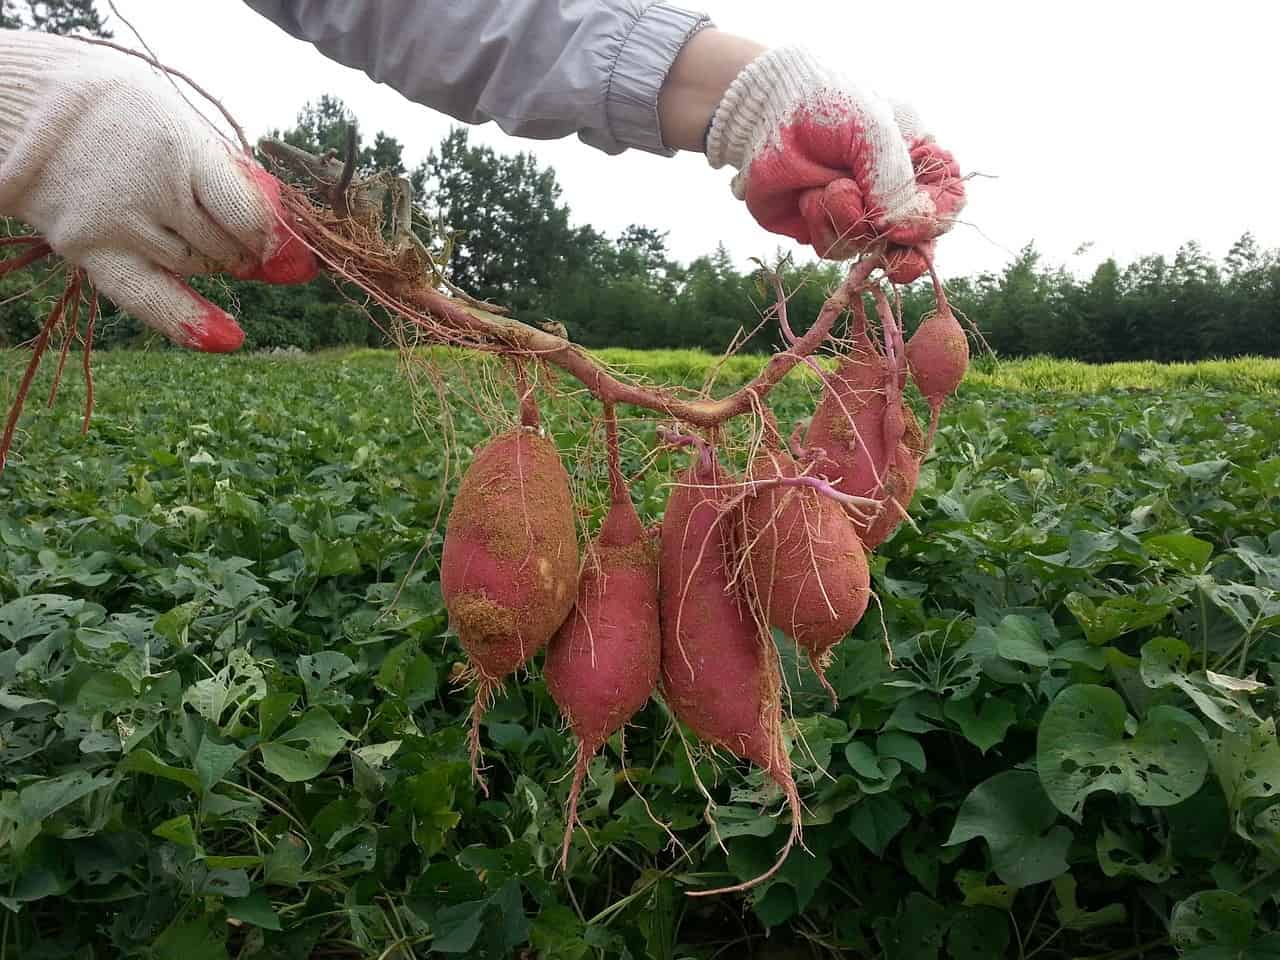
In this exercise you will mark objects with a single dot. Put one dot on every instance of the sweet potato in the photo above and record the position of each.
(938, 356)
(847, 431)
(806, 564)
(900, 478)
(602, 664)
(510, 559)
(719, 666)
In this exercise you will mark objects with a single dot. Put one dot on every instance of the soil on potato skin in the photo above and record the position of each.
(804, 559)
(510, 564)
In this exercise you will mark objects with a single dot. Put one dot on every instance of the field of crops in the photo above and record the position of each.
(229, 724)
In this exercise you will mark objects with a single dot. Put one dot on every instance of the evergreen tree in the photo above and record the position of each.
(53, 16)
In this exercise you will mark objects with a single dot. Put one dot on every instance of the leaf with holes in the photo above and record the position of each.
(1082, 748)
(36, 615)
(1105, 620)
(1120, 854)
(321, 671)
(1213, 918)
(1248, 765)
(1164, 664)
(239, 685)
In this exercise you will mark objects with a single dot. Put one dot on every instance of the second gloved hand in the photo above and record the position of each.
(828, 164)
(100, 154)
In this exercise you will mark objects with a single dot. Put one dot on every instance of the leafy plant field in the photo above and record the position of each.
(229, 727)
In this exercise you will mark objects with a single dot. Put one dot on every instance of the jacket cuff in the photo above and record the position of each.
(642, 64)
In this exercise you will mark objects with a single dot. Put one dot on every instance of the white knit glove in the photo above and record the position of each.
(100, 154)
(829, 164)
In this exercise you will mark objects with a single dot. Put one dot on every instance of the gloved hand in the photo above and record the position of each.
(100, 154)
(828, 164)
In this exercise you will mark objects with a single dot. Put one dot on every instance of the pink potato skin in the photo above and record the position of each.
(900, 479)
(847, 431)
(720, 674)
(714, 674)
(602, 665)
(808, 567)
(510, 561)
(938, 355)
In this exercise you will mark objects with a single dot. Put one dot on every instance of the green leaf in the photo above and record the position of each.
(916, 932)
(658, 921)
(1182, 551)
(979, 893)
(1073, 917)
(1082, 748)
(321, 671)
(255, 909)
(36, 615)
(179, 830)
(293, 765)
(876, 821)
(431, 799)
(239, 684)
(273, 710)
(318, 730)
(1017, 638)
(1121, 855)
(175, 624)
(322, 739)
(144, 761)
(1247, 766)
(901, 747)
(105, 692)
(214, 761)
(916, 714)
(284, 866)
(1212, 918)
(1114, 616)
(1164, 664)
(978, 934)
(1013, 814)
(226, 883)
(875, 774)
(456, 927)
(201, 939)
(46, 797)
(984, 723)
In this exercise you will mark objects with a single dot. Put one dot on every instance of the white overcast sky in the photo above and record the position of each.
(1133, 125)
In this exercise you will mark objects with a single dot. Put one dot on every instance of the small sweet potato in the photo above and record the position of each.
(602, 664)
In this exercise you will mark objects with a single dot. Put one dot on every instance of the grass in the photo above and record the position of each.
(1251, 374)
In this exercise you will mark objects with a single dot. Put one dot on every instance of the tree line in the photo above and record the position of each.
(515, 242)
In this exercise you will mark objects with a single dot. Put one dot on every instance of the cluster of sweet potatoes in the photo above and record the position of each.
(687, 613)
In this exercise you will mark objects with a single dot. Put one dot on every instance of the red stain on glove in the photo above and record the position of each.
(814, 186)
(212, 330)
(288, 260)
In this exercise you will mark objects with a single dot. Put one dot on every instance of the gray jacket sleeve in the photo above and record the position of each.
(541, 69)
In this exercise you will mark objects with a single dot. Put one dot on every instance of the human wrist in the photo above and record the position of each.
(696, 84)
